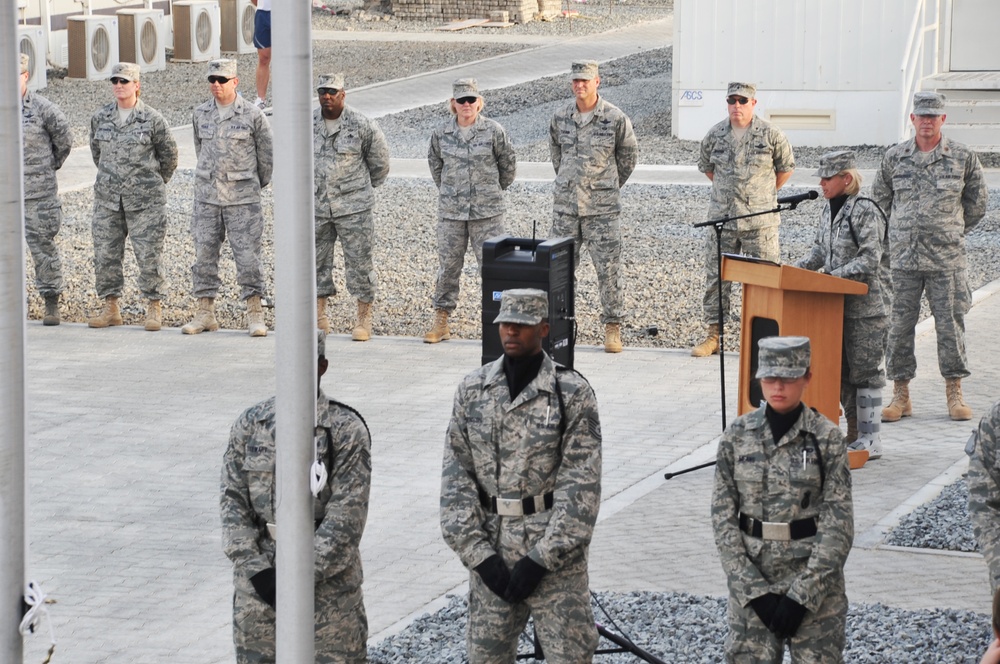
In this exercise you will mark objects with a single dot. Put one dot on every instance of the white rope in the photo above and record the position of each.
(36, 599)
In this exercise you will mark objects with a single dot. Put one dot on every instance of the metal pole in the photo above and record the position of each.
(13, 546)
(295, 283)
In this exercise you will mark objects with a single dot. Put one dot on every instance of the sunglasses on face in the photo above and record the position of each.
(221, 80)
(467, 100)
(771, 380)
(120, 81)
(742, 101)
(332, 92)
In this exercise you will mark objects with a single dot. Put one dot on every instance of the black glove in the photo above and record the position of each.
(524, 578)
(494, 574)
(264, 583)
(764, 607)
(787, 617)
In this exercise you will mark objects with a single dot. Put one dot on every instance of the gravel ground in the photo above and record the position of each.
(941, 524)
(690, 629)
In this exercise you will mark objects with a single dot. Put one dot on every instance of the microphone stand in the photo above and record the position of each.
(718, 224)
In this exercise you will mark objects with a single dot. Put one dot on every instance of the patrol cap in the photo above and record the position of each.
(333, 81)
(127, 70)
(783, 357)
(832, 163)
(320, 343)
(465, 87)
(928, 103)
(25, 63)
(584, 70)
(748, 90)
(525, 306)
(222, 67)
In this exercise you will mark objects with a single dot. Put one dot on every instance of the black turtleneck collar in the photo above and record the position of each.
(520, 371)
(836, 203)
(782, 423)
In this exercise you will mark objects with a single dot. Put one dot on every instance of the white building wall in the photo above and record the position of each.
(830, 72)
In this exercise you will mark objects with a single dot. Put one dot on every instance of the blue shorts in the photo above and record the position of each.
(262, 29)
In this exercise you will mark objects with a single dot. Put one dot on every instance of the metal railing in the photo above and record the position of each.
(921, 57)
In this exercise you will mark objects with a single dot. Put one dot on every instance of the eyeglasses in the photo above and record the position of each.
(466, 100)
(742, 101)
(221, 80)
(332, 92)
(771, 380)
(117, 80)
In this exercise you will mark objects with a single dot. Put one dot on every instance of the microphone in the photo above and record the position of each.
(798, 198)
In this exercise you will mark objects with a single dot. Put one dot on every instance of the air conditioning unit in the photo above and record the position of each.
(237, 26)
(196, 30)
(31, 41)
(140, 38)
(93, 46)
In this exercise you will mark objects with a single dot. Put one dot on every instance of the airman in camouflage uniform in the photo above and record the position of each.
(47, 143)
(852, 243)
(351, 157)
(933, 190)
(341, 510)
(748, 160)
(472, 162)
(594, 151)
(232, 139)
(520, 492)
(784, 519)
(135, 154)
(984, 490)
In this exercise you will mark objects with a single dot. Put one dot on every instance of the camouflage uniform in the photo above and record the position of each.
(853, 246)
(47, 143)
(471, 175)
(348, 164)
(235, 160)
(743, 182)
(593, 160)
(499, 448)
(135, 160)
(933, 199)
(984, 490)
(248, 504)
(802, 477)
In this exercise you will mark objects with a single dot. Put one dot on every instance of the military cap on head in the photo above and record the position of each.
(748, 90)
(127, 70)
(928, 103)
(832, 163)
(783, 357)
(524, 306)
(333, 81)
(465, 87)
(584, 70)
(222, 67)
(320, 343)
(25, 63)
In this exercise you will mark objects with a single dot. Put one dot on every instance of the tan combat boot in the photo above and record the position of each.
(204, 318)
(255, 317)
(710, 346)
(957, 408)
(51, 310)
(900, 405)
(110, 315)
(852, 429)
(322, 320)
(613, 338)
(439, 330)
(154, 316)
(363, 328)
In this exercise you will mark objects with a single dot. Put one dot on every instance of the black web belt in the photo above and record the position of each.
(774, 530)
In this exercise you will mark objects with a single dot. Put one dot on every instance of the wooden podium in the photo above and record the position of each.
(789, 301)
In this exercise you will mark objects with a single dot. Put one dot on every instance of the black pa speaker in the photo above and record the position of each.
(510, 262)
